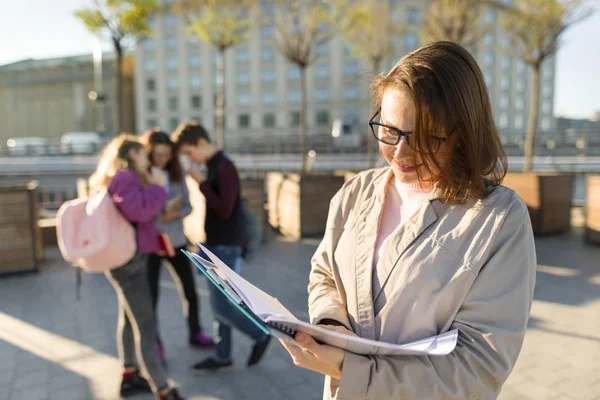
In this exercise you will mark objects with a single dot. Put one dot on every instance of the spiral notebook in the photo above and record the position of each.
(274, 319)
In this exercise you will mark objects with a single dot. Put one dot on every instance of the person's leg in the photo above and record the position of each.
(154, 266)
(134, 288)
(184, 276)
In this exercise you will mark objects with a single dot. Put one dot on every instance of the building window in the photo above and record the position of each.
(267, 53)
(149, 44)
(411, 41)
(173, 124)
(490, 16)
(488, 59)
(269, 120)
(322, 49)
(519, 121)
(242, 55)
(519, 103)
(243, 99)
(294, 96)
(521, 67)
(503, 121)
(504, 101)
(295, 118)
(244, 120)
(268, 75)
(351, 92)
(243, 77)
(506, 62)
(351, 117)
(489, 38)
(546, 123)
(520, 85)
(172, 64)
(322, 117)
(267, 7)
(322, 70)
(171, 42)
(193, 40)
(150, 85)
(150, 65)
(351, 68)
(195, 61)
(505, 83)
(547, 71)
(151, 104)
(547, 89)
(173, 83)
(293, 73)
(196, 81)
(268, 98)
(198, 119)
(322, 94)
(196, 101)
(170, 20)
(151, 123)
(489, 77)
(547, 107)
(267, 31)
(413, 16)
(173, 103)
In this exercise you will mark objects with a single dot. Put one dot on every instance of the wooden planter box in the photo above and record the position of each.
(253, 196)
(548, 197)
(299, 205)
(592, 219)
(21, 246)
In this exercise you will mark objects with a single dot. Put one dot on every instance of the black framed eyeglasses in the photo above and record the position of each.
(387, 134)
(391, 135)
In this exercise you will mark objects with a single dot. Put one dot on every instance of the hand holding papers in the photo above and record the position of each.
(274, 319)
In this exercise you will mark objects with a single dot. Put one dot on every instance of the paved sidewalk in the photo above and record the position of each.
(54, 347)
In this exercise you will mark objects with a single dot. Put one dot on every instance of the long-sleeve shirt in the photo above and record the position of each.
(175, 228)
(139, 205)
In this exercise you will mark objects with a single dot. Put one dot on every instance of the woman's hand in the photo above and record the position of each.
(321, 358)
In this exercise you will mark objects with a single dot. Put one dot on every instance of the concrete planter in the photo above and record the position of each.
(299, 205)
(548, 197)
(592, 219)
(21, 247)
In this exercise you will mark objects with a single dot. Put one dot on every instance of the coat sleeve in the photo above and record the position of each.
(491, 323)
(326, 299)
(136, 202)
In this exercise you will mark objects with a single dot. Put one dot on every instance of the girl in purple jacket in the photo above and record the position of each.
(124, 170)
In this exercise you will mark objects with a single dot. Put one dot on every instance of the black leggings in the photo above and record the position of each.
(184, 278)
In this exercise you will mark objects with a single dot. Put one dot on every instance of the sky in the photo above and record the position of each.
(46, 28)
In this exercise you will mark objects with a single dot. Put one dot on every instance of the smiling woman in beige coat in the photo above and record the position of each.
(431, 243)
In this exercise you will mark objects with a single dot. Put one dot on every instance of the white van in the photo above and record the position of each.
(24, 146)
(81, 143)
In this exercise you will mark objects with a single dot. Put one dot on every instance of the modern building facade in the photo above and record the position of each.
(47, 98)
(176, 81)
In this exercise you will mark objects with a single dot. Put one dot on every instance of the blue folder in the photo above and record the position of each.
(269, 328)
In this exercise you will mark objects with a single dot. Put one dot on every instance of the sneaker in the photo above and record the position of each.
(212, 365)
(134, 383)
(202, 341)
(172, 394)
(258, 351)
(161, 354)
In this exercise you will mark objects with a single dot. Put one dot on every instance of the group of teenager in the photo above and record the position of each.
(146, 180)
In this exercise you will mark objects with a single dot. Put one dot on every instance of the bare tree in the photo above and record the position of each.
(458, 21)
(125, 22)
(369, 29)
(300, 26)
(222, 24)
(535, 27)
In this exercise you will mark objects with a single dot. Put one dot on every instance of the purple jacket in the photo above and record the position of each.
(139, 205)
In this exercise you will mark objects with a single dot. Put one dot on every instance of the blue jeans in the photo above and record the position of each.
(226, 314)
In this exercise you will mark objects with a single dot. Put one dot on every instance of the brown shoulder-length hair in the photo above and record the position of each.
(451, 101)
(155, 136)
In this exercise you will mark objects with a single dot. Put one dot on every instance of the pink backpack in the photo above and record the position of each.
(93, 234)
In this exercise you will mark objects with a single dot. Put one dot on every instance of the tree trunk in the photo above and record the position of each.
(303, 133)
(533, 117)
(118, 96)
(370, 138)
(220, 111)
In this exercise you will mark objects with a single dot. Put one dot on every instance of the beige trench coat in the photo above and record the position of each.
(470, 267)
